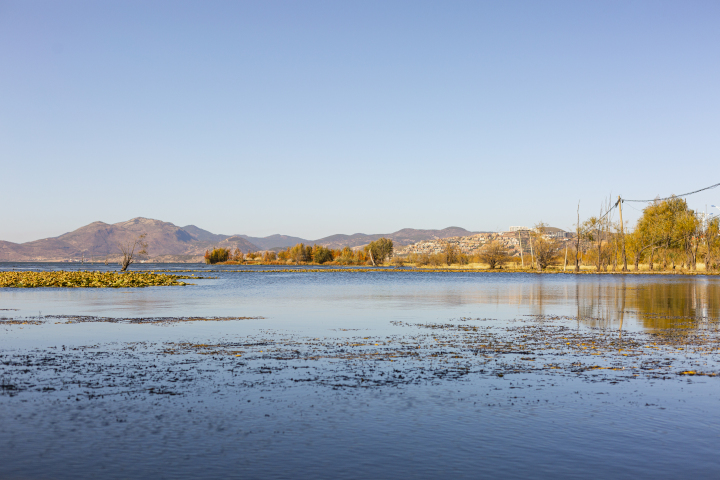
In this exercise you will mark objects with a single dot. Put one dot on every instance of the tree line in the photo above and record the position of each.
(495, 254)
(375, 253)
(668, 235)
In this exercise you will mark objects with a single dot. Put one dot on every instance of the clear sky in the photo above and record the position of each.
(314, 118)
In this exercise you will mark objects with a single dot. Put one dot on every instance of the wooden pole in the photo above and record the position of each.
(622, 233)
(577, 242)
(532, 255)
(522, 258)
(599, 243)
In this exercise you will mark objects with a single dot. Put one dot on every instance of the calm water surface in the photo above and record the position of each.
(357, 375)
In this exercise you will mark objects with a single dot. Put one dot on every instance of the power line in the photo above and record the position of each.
(644, 201)
(600, 219)
(673, 196)
(609, 210)
(635, 208)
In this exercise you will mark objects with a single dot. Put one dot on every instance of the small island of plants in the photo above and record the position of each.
(63, 279)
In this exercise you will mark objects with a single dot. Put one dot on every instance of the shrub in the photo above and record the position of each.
(321, 254)
(399, 261)
(298, 253)
(269, 256)
(217, 255)
(452, 253)
(546, 251)
(462, 259)
(437, 259)
(421, 259)
(345, 260)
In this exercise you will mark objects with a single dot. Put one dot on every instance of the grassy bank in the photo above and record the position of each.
(644, 269)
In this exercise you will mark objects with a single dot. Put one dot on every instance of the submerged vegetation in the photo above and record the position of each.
(87, 279)
(547, 346)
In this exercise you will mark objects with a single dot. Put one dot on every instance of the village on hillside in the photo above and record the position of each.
(516, 239)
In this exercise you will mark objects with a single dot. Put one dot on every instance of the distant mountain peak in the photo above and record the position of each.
(100, 240)
(143, 221)
(204, 235)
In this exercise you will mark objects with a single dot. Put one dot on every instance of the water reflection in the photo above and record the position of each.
(657, 304)
(611, 301)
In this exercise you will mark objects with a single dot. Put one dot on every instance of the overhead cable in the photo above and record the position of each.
(600, 219)
(673, 196)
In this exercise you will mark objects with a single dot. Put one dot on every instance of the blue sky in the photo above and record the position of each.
(314, 118)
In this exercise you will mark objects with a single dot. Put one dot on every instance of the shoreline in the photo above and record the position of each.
(391, 269)
(332, 268)
(478, 268)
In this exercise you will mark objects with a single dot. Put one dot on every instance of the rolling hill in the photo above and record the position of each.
(167, 242)
(100, 240)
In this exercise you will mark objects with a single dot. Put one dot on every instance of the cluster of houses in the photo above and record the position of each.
(513, 240)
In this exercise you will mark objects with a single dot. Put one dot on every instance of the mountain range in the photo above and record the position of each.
(169, 243)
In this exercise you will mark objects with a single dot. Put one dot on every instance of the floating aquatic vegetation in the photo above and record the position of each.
(443, 270)
(73, 319)
(85, 279)
(70, 319)
(12, 321)
(546, 345)
(538, 350)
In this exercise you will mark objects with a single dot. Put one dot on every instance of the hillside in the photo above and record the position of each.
(203, 235)
(100, 240)
(237, 241)
(275, 241)
(167, 242)
(406, 236)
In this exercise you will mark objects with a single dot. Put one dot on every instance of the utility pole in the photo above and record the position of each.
(577, 242)
(522, 259)
(532, 255)
(599, 244)
(622, 232)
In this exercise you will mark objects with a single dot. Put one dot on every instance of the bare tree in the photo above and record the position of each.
(451, 252)
(546, 248)
(712, 241)
(128, 251)
(494, 254)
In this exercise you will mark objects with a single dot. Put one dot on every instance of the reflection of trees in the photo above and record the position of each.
(657, 305)
(599, 303)
(674, 304)
(654, 303)
(549, 298)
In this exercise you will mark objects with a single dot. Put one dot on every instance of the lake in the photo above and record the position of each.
(251, 373)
